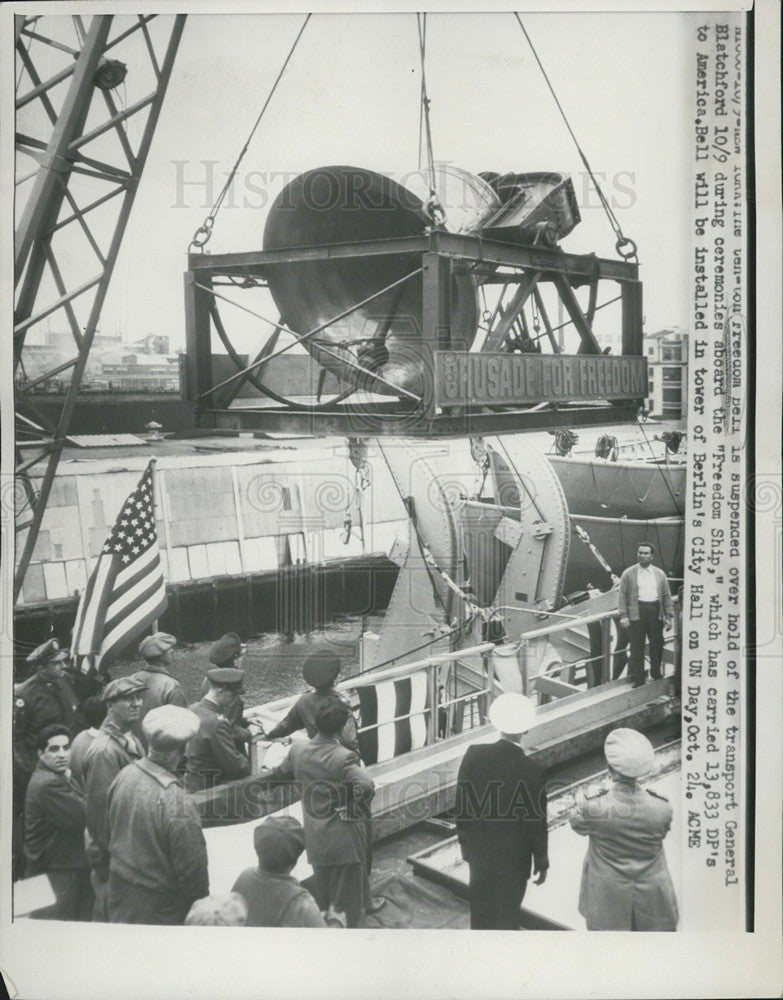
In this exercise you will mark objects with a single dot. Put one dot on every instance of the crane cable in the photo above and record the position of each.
(625, 246)
(432, 206)
(204, 232)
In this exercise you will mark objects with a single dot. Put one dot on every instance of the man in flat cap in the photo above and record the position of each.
(320, 671)
(113, 748)
(162, 688)
(212, 756)
(45, 699)
(336, 791)
(54, 827)
(501, 818)
(274, 897)
(626, 885)
(158, 853)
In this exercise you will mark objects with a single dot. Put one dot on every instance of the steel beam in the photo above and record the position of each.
(394, 421)
(41, 217)
(583, 267)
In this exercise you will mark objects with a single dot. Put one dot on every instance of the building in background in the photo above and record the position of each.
(114, 365)
(667, 367)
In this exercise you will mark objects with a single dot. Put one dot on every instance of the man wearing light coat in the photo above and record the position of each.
(626, 885)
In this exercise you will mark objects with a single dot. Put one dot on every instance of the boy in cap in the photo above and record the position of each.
(54, 827)
(320, 671)
(274, 897)
(626, 885)
(212, 756)
(501, 818)
(162, 688)
(158, 853)
(113, 748)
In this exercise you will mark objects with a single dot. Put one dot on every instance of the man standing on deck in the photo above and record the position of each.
(212, 754)
(113, 748)
(320, 671)
(158, 853)
(645, 604)
(54, 827)
(501, 818)
(626, 885)
(229, 651)
(162, 687)
(46, 698)
(335, 792)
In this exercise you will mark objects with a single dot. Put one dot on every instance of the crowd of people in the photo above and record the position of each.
(104, 788)
(109, 816)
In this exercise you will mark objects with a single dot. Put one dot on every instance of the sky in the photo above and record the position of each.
(351, 95)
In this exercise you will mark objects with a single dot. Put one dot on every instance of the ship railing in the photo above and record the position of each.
(544, 670)
(461, 684)
(456, 699)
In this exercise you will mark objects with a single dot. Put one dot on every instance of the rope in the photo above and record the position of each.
(432, 206)
(660, 470)
(204, 232)
(625, 247)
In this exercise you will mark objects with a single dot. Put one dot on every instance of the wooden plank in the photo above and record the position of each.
(553, 687)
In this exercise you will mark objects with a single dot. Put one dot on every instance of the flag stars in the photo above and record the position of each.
(126, 558)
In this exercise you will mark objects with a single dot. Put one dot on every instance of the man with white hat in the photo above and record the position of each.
(626, 885)
(501, 817)
(158, 853)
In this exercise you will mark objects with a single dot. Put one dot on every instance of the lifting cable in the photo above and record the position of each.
(204, 232)
(625, 246)
(432, 206)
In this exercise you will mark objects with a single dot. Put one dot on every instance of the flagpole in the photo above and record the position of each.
(153, 472)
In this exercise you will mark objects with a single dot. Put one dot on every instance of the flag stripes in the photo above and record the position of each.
(126, 591)
(399, 709)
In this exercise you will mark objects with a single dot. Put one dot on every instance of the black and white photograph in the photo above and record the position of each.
(391, 501)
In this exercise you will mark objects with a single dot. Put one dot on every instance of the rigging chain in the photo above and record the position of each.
(625, 246)
(203, 234)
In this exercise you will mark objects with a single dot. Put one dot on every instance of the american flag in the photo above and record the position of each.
(126, 591)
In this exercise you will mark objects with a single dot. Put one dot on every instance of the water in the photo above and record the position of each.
(273, 661)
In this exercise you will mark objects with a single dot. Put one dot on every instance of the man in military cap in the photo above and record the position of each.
(212, 756)
(320, 671)
(162, 688)
(47, 698)
(626, 885)
(158, 864)
(54, 827)
(274, 897)
(229, 651)
(501, 818)
(113, 748)
(335, 792)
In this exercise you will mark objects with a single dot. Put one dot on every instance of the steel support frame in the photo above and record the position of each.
(44, 214)
(442, 255)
